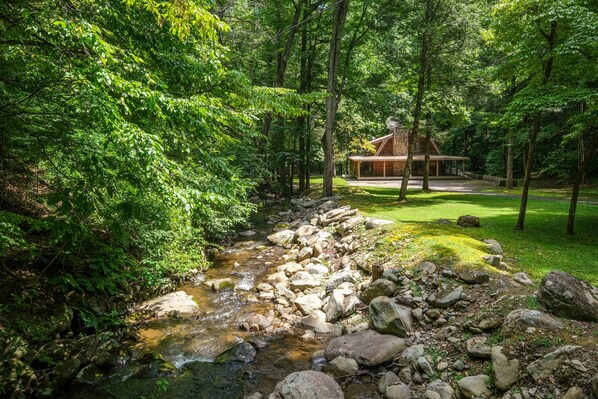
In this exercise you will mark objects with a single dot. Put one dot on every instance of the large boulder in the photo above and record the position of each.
(282, 237)
(380, 287)
(366, 347)
(520, 320)
(375, 223)
(307, 384)
(388, 317)
(506, 372)
(567, 296)
(241, 353)
(544, 367)
(341, 366)
(468, 221)
(174, 303)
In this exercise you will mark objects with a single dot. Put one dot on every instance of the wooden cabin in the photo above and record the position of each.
(391, 156)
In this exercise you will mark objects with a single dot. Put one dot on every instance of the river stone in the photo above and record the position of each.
(388, 317)
(444, 389)
(314, 319)
(522, 278)
(303, 280)
(341, 366)
(307, 304)
(380, 287)
(424, 366)
(290, 268)
(389, 378)
(304, 231)
(411, 354)
(544, 367)
(317, 269)
(398, 391)
(305, 253)
(520, 320)
(366, 347)
(474, 386)
(449, 299)
(261, 321)
(282, 237)
(595, 385)
(471, 276)
(176, 302)
(350, 224)
(573, 393)
(247, 233)
(564, 295)
(334, 306)
(244, 352)
(307, 384)
(375, 223)
(278, 277)
(493, 245)
(476, 347)
(468, 221)
(506, 372)
(220, 284)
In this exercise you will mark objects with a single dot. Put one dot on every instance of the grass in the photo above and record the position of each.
(541, 247)
(319, 180)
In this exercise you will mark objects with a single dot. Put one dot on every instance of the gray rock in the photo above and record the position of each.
(522, 278)
(304, 231)
(595, 385)
(380, 287)
(241, 353)
(388, 317)
(177, 302)
(448, 300)
(477, 348)
(341, 367)
(89, 375)
(432, 395)
(255, 395)
(334, 306)
(307, 304)
(573, 393)
(493, 260)
(247, 233)
(302, 280)
(221, 284)
(468, 221)
(425, 268)
(307, 384)
(474, 386)
(65, 371)
(282, 237)
(506, 372)
(411, 354)
(520, 320)
(544, 367)
(494, 246)
(444, 389)
(424, 366)
(305, 253)
(405, 375)
(350, 224)
(366, 347)
(567, 296)
(338, 278)
(314, 319)
(398, 391)
(261, 321)
(389, 378)
(278, 277)
(471, 276)
(375, 223)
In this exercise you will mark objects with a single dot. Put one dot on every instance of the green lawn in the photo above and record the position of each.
(541, 247)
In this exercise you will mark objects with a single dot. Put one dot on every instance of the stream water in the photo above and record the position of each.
(191, 344)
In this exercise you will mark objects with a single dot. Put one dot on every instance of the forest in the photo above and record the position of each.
(137, 135)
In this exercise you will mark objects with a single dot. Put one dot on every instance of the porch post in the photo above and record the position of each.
(383, 168)
(437, 168)
(358, 169)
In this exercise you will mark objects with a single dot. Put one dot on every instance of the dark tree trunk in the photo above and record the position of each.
(426, 180)
(340, 15)
(587, 155)
(509, 183)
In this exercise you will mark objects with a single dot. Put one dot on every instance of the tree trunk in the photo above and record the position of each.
(509, 183)
(426, 180)
(528, 172)
(340, 15)
(587, 155)
(423, 67)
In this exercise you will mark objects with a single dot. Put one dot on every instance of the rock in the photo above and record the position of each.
(338, 278)
(545, 366)
(241, 353)
(405, 375)
(441, 366)
(65, 371)
(432, 395)
(595, 385)
(493, 260)
(398, 391)
(471, 276)
(303, 280)
(247, 233)
(317, 269)
(520, 320)
(458, 365)
(442, 388)
(305, 253)
(260, 320)
(334, 307)
(573, 393)
(220, 284)
(282, 237)
(307, 304)
(491, 323)
(177, 302)
(424, 366)
(350, 224)
(448, 300)
(567, 296)
(366, 347)
(493, 245)
(255, 395)
(389, 378)
(522, 278)
(468, 221)
(307, 384)
(341, 367)
(411, 354)
(477, 348)
(388, 317)
(375, 223)
(425, 268)
(380, 287)
(89, 375)
(314, 319)
(278, 277)
(506, 372)
(304, 231)
(474, 386)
